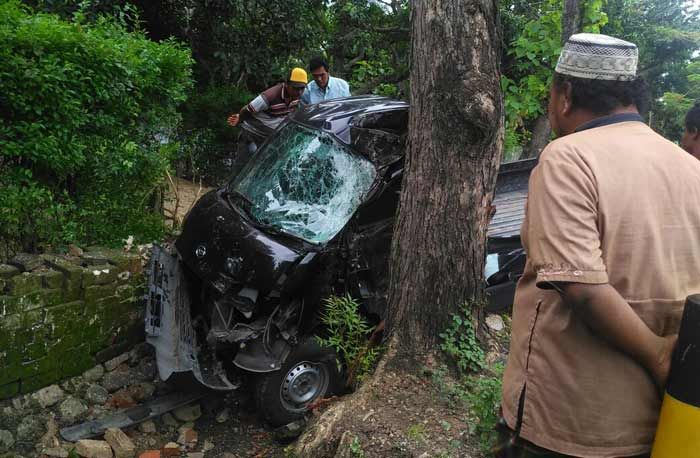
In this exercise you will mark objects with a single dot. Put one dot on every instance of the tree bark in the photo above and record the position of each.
(540, 137)
(455, 145)
(571, 19)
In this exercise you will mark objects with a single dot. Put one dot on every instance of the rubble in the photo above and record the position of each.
(96, 394)
(208, 445)
(495, 322)
(188, 413)
(169, 421)
(113, 363)
(223, 416)
(7, 440)
(46, 397)
(30, 428)
(55, 452)
(171, 449)
(147, 427)
(150, 454)
(122, 446)
(188, 437)
(72, 410)
(94, 374)
(112, 381)
(89, 448)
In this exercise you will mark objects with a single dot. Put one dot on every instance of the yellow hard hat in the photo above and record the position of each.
(298, 77)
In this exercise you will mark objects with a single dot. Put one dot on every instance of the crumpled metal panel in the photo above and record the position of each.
(169, 324)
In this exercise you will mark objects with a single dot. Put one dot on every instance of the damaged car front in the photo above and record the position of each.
(239, 292)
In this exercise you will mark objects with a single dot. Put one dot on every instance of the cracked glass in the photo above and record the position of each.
(304, 183)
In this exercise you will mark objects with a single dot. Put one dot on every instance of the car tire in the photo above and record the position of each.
(309, 373)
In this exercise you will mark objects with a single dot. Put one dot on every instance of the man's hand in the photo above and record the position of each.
(660, 368)
(611, 317)
(233, 120)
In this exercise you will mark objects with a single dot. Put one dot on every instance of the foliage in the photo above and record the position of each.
(479, 387)
(477, 394)
(206, 140)
(667, 33)
(356, 448)
(461, 344)
(416, 432)
(369, 44)
(530, 62)
(347, 333)
(86, 112)
(483, 395)
(240, 42)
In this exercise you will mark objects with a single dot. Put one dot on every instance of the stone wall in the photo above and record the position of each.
(61, 315)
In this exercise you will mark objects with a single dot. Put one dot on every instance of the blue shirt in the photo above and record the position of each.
(335, 88)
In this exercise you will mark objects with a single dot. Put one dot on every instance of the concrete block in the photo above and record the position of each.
(7, 271)
(27, 262)
(93, 293)
(8, 306)
(52, 279)
(71, 271)
(24, 283)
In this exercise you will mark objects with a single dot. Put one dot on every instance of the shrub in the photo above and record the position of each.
(460, 343)
(206, 138)
(86, 112)
(347, 333)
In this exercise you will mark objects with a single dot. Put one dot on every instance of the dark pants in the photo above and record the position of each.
(510, 445)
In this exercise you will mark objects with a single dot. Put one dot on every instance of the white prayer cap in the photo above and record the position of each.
(595, 56)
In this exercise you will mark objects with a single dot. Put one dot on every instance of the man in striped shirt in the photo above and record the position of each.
(259, 118)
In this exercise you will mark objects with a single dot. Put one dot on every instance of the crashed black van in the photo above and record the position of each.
(238, 296)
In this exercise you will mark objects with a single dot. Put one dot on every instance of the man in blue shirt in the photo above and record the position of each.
(324, 86)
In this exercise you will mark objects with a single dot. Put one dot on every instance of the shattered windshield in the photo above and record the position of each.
(304, 183)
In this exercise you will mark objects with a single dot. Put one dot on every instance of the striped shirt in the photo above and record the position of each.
(270, 107)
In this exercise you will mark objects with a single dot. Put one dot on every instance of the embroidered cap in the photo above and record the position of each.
(595, 56)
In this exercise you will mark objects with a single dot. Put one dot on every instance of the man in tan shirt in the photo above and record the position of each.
(612, 235)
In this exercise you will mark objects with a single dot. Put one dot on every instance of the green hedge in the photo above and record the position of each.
(86, 114)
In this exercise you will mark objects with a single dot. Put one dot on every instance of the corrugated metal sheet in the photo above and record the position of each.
(510, 211)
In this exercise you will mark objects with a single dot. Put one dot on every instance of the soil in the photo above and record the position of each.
(242, 435)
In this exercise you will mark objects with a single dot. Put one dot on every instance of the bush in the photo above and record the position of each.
(206, 138)
(460, 343)
(347, 334)
(86, 112)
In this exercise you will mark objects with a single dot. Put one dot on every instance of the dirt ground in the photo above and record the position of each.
(240, 434)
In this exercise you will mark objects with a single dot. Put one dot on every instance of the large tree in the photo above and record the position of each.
(454, 148)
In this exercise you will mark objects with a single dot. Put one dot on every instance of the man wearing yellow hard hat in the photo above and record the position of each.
(259, 118)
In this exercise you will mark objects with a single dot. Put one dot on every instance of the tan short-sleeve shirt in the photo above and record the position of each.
(615, 204)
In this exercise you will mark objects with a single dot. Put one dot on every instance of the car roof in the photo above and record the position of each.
(338, 115)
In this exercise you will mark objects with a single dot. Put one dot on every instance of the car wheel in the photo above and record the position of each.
(309, 373)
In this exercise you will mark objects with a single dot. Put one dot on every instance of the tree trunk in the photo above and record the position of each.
(570, 24)
(455, 145)
(571, 19)
(540, 137)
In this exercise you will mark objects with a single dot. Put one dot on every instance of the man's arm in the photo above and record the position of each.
(606, 312)
(242, 115)
(258, 104)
